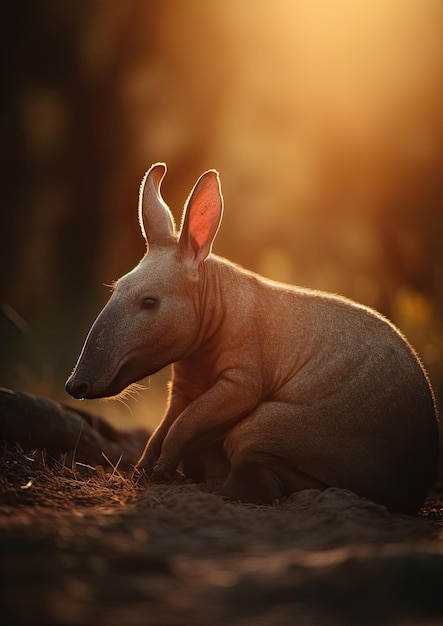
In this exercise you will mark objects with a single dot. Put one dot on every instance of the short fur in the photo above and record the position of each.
(275, 388)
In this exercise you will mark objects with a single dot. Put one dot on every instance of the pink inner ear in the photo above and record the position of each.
(201, 230)
(203, 212)
(203, 221)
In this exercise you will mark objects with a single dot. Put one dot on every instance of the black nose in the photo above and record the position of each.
(78, 388)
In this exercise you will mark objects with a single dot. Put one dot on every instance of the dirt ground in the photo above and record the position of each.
(83, 546)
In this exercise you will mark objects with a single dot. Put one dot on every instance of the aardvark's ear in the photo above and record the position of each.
(201, 219)
(156, 221)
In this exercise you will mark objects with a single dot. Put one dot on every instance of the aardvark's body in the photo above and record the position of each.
(275, 388)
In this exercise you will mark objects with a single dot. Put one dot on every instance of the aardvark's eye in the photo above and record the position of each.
(149, 303)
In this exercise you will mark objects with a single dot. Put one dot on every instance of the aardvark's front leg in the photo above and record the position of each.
(223, 404)
(152, 451)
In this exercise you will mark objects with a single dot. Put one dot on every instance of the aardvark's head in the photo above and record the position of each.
(152, 317)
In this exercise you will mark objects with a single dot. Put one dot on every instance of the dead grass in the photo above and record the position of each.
(35, 479)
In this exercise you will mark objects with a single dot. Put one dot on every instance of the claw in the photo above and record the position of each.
(161, 475)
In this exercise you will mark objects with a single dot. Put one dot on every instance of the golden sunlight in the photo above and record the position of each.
(322, 116)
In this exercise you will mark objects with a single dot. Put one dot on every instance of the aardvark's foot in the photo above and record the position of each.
(162, 475)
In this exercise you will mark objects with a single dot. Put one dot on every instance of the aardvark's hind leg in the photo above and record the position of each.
(263, 450)
(259, 479)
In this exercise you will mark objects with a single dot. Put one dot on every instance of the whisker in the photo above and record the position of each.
(134, 391)
(138, 386)
(111, 285)
(121, 400)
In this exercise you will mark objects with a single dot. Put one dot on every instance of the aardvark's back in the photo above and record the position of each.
(358, 411)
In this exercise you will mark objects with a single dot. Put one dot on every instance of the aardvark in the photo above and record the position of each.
(275, 388)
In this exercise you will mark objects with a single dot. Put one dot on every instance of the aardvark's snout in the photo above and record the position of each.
(78, 387)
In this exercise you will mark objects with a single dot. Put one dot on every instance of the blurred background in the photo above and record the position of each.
(324, 118)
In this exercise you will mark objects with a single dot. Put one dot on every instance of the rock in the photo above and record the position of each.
(36, 422)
